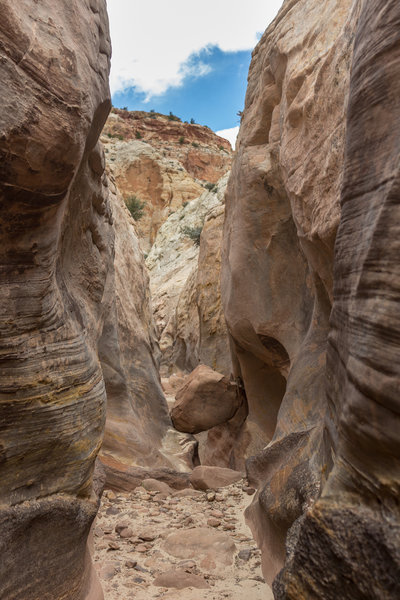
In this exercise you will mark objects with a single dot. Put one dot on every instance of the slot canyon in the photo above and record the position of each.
(200, 345)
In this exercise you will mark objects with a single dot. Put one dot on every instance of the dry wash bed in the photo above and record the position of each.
(152, 544)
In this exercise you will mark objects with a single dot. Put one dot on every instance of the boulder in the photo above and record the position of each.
(121, 477)
(155, 485)
(206, 399)
(180, 579)
(207, 546)
(212, 478)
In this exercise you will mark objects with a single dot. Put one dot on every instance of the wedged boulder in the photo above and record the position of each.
(212, 478)
(206, 400)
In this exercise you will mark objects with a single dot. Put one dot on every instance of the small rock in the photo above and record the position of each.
(210, 496)
(141, 548)
(153, 485)
(126, 533)
(141, 569)
(120, 526)
(219, 497)
(179, 579)
(213, 522)
(108, 570)
(113, 546)
(245, 554)
(113, 510)
(131, 564)
(249, 490)
(148, 535)
(218, 514)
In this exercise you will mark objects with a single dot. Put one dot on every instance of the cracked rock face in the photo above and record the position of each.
(54, 63)
(323, 431)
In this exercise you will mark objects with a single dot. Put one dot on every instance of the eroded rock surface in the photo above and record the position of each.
(184, 267)
(282, 213)
(353, 531)
(54, 291)
(331, 433)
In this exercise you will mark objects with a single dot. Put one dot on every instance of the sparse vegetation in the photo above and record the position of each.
(181, 140)
(193, 233)
(135, 207)
(172, 117)
(185, 203)
(121, 137)
(138, 135)
(192, 121)
(195, 144)
(211, 187)
(221, 148)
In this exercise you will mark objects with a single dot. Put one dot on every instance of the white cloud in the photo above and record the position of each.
(229, 134)
(153, 40)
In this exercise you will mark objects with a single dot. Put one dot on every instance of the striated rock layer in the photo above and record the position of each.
(353, 531)
(54, 291)
(282, 215)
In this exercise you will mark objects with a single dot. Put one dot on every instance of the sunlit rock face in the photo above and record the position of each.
(184, 267)
(56, 250)
(280, 278)
(163, 162)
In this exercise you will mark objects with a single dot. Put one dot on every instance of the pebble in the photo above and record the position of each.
(213, 522)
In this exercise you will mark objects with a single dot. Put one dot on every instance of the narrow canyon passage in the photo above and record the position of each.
(180, 545)
(192, 334)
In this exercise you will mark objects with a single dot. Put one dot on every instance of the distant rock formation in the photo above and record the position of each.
(184, 267)
(163, 162)
(325, 433)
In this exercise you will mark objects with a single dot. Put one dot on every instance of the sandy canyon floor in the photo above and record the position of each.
(185, 545)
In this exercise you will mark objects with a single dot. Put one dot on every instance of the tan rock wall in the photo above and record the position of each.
(54, 291)
(185, 283)
(138, 429)
(282, 213)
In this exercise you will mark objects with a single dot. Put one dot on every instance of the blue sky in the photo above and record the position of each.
(212, 98)
(187, 57)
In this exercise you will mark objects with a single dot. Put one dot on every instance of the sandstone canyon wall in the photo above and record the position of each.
(278, 275)
(76, 323)
(54, 274)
